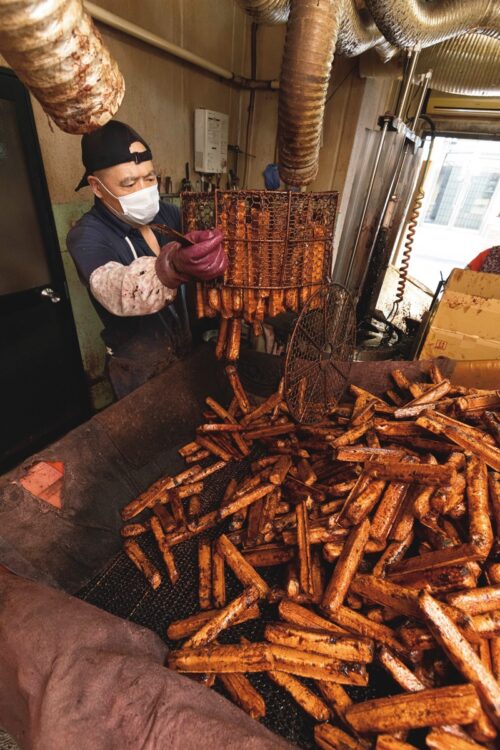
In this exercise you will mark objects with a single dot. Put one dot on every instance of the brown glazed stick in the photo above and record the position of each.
(302, 617)
(238, 389)
(213, 448)
(488, 453)
(399, 671)
(262, 409)
(240, 567)
(462, 655)
(476, 601)
(328, 737)
(137, 556)
(317, 666)
(180, 629)
(400, 599)
(253, 657)
(411, 472)
(480, 529)
(388, 742)
(218, 578)
(439, 739)
(341, 647)
(134, 529)
(166, 552)
(458, 704)
(224, 618)
(205, 573)
(433, 394)
(308, 700)
(355, 622)
(244, 694)
(245, 500)
(304, 548)
(346, 567)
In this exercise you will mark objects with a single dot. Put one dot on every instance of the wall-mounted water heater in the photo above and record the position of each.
(210, 141)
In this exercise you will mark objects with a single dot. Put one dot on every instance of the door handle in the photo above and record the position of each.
(50, 294)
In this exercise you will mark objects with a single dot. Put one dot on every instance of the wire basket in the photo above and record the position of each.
(279, 245)
(319, 354)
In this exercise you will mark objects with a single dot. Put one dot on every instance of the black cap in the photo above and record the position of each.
(108, 146)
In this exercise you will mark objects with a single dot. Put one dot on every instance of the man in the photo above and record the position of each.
(132, 276)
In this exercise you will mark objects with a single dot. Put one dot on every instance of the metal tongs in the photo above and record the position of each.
(180, 238)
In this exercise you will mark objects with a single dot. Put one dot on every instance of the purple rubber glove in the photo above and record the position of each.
(204, 260)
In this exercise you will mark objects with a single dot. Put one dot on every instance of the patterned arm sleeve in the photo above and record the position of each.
(130, 290)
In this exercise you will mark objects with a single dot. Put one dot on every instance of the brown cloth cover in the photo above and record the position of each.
(73, 676)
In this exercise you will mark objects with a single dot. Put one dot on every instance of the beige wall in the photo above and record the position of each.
(161, 92)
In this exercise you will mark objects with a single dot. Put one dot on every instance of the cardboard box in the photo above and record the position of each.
(466, 324)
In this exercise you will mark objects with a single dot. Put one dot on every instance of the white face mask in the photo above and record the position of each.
(138, 208)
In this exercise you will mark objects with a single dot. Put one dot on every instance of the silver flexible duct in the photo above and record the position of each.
(57, 52)
(407, 23)
(266, 11)
(469, 64)
(358, 31)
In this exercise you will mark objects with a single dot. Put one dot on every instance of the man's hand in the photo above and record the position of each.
(204, 260)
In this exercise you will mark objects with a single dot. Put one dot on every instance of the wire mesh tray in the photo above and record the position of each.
(319, 354)
(279, 247)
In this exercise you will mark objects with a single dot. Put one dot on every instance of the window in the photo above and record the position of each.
(477, 200)
(445, 195)
(460, 214)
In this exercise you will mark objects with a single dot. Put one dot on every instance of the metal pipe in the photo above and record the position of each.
(366, 203)
(389, 195)
(397, 173)
(127, 27)
(406, 85)
(425, 88)
(413, 56)
(399, 164)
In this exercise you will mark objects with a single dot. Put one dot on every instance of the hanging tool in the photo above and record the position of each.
(186, 186)
(233, 179)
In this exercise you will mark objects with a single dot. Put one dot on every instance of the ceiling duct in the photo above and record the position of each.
(55, 49)
(267, 11)
(468, 64)
(358, 31)
(411, 23)
(317, 28)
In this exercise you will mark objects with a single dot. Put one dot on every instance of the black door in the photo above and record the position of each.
(42, 386)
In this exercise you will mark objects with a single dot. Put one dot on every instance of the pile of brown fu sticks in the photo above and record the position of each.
(386, 517)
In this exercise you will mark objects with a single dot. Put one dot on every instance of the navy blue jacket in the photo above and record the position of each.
(100, 237)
